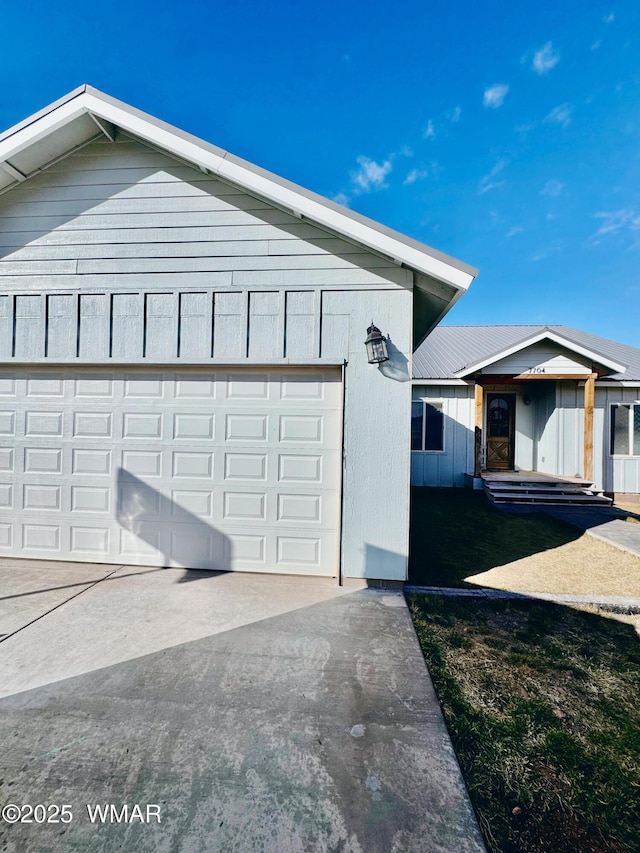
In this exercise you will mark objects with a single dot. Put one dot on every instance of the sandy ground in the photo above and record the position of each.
(586, 566)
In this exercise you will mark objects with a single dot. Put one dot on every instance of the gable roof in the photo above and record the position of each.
(451, 352)
(84, 114)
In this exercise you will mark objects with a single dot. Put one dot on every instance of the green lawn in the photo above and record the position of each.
(543, 707)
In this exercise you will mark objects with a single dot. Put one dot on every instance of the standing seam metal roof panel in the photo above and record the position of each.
(449, 349)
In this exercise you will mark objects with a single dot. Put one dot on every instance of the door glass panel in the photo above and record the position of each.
(498, 418)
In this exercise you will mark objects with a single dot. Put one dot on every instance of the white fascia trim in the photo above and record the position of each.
(43, 127)
(534, 339)
(281, 195)
(468, 384)
(223, 165)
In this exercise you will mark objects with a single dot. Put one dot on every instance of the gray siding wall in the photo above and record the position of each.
(570, 429)
(616, 473)
(549, 434)
(544, 405)
(122, 254)
(447, 467)
(540, 358)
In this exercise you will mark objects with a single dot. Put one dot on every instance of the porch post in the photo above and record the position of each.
(479, 401)
(589, 399)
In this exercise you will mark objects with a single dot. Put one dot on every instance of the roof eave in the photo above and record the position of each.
(302, 203)
(612, 366)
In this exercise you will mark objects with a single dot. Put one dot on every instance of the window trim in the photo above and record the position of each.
(432, 401)
(632, 405)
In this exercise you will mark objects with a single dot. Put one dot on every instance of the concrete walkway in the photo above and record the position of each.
(606, 523)
(256, 713)
(610, 603)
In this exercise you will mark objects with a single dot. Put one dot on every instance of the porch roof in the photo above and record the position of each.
(450, 352)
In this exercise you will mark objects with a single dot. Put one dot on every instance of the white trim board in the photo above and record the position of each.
(87, 101)
(534, 339)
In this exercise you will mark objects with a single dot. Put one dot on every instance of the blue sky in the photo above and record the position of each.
(506, 134)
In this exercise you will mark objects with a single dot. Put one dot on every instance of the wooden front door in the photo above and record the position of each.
(501, 417)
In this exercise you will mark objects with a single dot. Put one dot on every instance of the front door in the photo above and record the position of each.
(501, 411)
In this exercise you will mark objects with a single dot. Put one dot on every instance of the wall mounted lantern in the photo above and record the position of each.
(526, 400)
(376, 345)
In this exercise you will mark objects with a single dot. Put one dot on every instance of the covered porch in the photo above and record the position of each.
(534, 408)
(544, 425)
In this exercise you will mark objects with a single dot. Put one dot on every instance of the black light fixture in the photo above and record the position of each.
(376, 345)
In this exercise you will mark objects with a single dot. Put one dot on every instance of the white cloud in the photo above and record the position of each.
(560, 115)
(371, 175)
(596, 45)
(487, 181)
(610, 18)
(416, 175)
(341, 198)
(429, 132)
(517, 229)
(455, 114)
(494, 96)
(544, 252)
(614, 221)
(552, 189)
(545, 59)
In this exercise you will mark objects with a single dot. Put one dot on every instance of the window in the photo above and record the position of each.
(427, 426)
(625, 429)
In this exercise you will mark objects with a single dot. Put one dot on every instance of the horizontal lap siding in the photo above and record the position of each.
(121, 252)
(541, 358)
(120, 209)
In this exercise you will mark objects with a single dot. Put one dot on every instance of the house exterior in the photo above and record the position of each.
(549, 399)
(183, 376)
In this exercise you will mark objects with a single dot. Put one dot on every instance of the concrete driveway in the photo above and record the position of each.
(248, 712)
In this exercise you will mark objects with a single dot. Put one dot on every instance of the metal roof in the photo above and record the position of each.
(82, 115)
(449, 349)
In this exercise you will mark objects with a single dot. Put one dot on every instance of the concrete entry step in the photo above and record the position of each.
(564, 499)
(533, 488)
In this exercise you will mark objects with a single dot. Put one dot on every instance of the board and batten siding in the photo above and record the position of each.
(120, 254)
(447, 467)
(562, 443)
(617, 473)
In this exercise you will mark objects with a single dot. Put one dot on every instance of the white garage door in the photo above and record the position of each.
(234, 469)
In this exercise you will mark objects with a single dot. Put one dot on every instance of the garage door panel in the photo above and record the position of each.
(6, 459)
(94, 462)
(93, 541)
(7, 423)
(92, 425)
(6, 536)
(92, 499)
(203, 468)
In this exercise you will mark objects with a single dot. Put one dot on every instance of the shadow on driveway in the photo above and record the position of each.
(316, 729)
